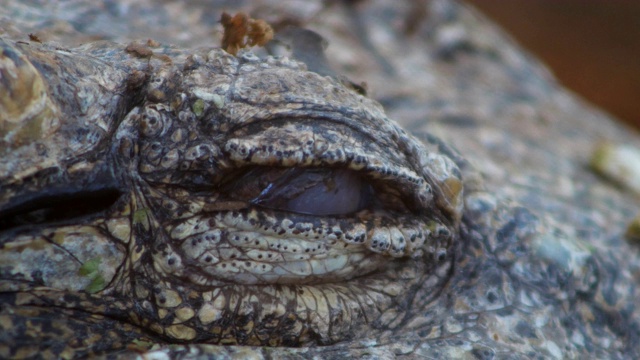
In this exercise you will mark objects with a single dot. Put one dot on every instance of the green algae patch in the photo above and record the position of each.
(141, 217)
(91, 270)
(198, 107)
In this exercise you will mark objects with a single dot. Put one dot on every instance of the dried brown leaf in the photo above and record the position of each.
(241, 31)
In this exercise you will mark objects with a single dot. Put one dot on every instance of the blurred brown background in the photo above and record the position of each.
(592, 46)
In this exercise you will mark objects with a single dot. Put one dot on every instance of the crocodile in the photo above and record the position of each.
(180, 201)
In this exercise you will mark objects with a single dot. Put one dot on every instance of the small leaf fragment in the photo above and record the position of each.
(90, 267)
(97, 283)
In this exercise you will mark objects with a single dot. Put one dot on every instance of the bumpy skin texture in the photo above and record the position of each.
(518, 256)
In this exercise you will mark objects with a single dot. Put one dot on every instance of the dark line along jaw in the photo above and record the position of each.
(60, 198)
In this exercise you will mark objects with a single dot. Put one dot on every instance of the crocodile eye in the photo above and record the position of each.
(317, 192)
(312, 191)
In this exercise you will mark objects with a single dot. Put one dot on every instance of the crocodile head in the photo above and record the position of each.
(212, 198)
(191, 199)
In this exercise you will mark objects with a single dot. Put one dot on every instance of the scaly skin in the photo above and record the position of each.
(162, 246)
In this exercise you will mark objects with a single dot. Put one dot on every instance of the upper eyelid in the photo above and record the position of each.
(312, 149)
(324, 122)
